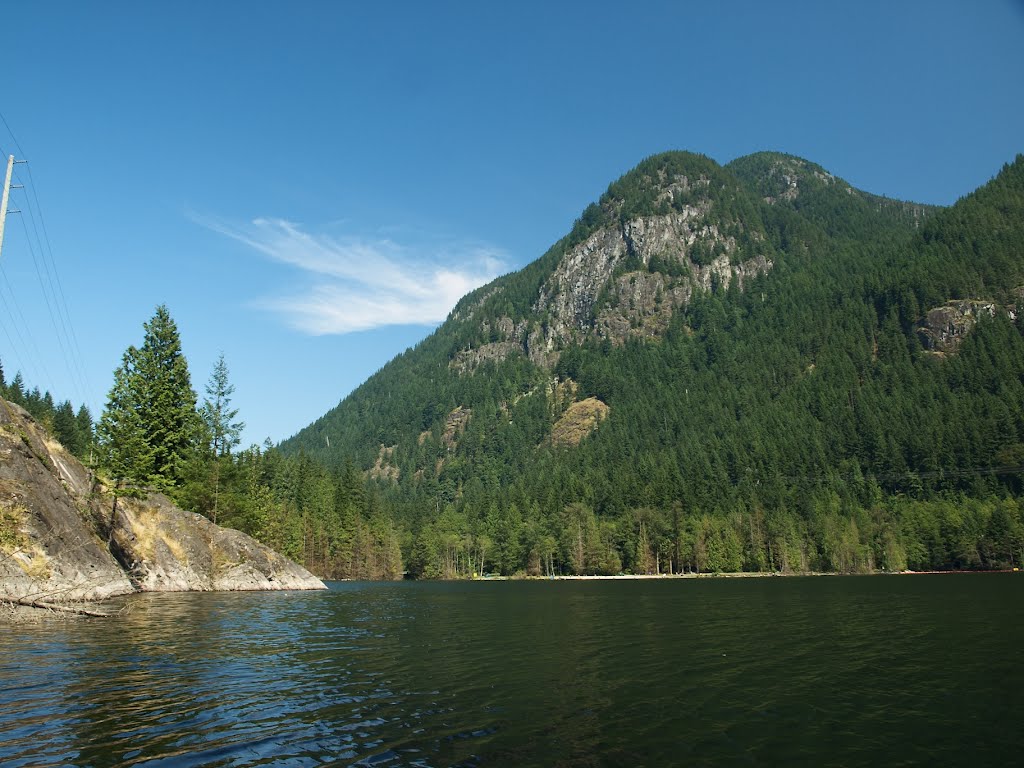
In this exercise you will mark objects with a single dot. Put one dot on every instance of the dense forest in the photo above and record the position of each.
(753, 367)
(798, 422)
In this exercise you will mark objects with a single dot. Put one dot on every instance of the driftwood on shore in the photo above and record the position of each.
(78, 610)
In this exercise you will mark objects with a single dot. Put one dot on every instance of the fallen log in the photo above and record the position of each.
(43, 605)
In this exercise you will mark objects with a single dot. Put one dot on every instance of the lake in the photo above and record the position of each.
(893, 670)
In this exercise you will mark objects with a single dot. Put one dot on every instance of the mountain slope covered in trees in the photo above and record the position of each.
(771, 398)
(753, 366)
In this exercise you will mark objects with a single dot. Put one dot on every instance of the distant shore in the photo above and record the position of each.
(728, 575)
(645, 576)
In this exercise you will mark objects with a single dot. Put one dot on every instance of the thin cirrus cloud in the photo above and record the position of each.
(356, 284)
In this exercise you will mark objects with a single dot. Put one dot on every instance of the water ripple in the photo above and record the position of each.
(837, 671)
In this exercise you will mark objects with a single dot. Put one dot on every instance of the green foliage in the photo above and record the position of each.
(826, 201)
(218, 415)
(74, 430)
(121, 432)
(794, 425)
(150, 425)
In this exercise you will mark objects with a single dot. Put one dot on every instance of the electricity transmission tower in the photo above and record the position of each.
(7, 193)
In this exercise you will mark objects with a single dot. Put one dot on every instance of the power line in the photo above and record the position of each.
(51, 286)
(46, 295)
(60, 304)
(22, 355)
(13, 137)
(76, 348)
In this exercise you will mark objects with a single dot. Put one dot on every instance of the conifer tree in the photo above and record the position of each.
(150, 422)
(16, 390)
(217, 413)
(168, 400)
(121, 434)
(83, 421)
(65, 428)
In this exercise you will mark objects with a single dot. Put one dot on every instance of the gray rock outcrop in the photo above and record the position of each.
(166, 549)
(640, 302)
(63, 537)
(623, 281)
(49, 547)
(945, 327)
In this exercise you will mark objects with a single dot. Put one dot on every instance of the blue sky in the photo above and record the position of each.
(309, 187)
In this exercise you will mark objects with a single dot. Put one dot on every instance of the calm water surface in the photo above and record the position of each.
(917, 670)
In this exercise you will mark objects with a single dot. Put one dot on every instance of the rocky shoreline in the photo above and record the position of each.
(65, 538)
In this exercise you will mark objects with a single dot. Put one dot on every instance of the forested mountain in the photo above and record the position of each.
(752, 366)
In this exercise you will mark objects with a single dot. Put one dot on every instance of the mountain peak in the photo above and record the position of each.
(743, 306)
(777, 176)
(676, 225)
(840, 209)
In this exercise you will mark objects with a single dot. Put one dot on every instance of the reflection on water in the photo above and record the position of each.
(822, 671)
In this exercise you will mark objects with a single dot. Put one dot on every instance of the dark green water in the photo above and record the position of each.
(914, 670)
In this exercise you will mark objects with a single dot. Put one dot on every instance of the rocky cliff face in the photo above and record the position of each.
(944, 328)
(49, 544)
(63, 537)
(165, 549)
(626, 281)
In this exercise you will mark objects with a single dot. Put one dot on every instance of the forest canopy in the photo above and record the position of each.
(801, 377)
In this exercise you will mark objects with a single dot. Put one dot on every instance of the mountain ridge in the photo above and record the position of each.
(753, 334)
(518, 292)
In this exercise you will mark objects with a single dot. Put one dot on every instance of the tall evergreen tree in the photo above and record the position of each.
(83, 421)
(168, 400)
(121, 434)
(150, 423)
(65, 428)
(217, 413)
(16, 390)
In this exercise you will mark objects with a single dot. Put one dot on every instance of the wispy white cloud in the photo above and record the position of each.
(359, 283)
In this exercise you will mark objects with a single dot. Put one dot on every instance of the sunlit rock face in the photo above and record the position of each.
(63, 537)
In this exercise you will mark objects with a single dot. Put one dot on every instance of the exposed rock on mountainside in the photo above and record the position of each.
(468, 360)
(945, 327)
(626, 279)
(383, 469)
(62, 537)
(589, 293)
(454, 426)
(578, 421)
(787, 175)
